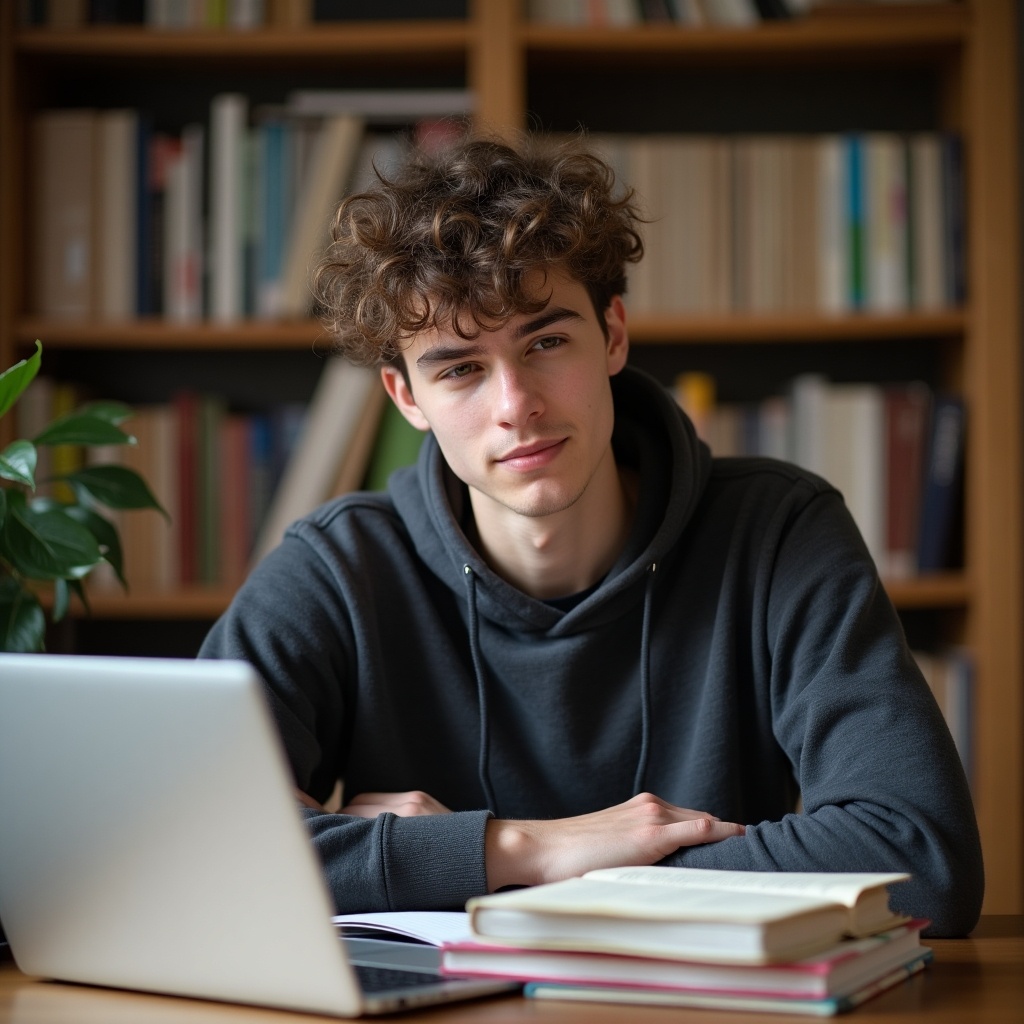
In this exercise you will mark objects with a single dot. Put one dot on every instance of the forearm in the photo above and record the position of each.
(429, 862)
(946, 884)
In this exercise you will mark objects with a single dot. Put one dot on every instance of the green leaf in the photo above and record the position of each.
(46, 544)
(112, 412)
(106, 536)
(83, 428)
(18, 463)
(115, 487)
(77, 588)
(14, 380)
(61, 599)
(22, 623)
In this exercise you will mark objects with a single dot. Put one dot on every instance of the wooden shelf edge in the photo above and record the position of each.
(941, 26)
(163, 334)
(942, 590)
(187, 603)
(644, 329)
(321, 40)
(945, 590)
(799, 327)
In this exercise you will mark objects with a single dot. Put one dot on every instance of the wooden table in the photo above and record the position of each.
(979, 980)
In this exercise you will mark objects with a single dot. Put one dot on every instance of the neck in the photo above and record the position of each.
(566, 552)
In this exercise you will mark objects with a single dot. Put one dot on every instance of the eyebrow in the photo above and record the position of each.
(546, 319)
(445, 353)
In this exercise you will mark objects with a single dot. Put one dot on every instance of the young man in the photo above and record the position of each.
(568, 637)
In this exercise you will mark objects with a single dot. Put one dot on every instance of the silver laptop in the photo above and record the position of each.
(150, 839)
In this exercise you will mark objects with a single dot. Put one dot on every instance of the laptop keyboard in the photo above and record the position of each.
(383, 979)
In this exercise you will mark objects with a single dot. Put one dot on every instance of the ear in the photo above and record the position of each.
(618, 336)
(401, 394)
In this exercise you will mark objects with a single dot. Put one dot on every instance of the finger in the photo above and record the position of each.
(683, 813)
(698, 831)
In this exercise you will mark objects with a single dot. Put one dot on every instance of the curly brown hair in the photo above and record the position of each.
(451, 241)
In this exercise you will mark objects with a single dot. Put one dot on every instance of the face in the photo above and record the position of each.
(523, 413)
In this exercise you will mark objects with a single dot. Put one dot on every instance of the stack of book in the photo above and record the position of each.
(792, 943)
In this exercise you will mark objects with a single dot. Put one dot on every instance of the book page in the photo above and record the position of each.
(433, 927)
(614, 898)
(839, 887)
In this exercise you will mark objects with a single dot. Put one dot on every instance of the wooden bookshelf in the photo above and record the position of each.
(969, 47)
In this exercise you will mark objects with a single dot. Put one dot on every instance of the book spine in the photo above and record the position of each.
(228, 114)
(943, 476)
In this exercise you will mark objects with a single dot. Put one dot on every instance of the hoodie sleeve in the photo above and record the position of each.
(290, 622)
(881, 782)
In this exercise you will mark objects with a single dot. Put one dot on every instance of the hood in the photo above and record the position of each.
(651, 433)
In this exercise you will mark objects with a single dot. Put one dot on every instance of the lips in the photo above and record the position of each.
(530, 456)
(530, 449)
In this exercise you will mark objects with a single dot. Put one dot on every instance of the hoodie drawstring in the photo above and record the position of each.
(483, 762)
(645, 683)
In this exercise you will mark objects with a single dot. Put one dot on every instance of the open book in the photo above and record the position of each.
(431, 927)
(688, 913)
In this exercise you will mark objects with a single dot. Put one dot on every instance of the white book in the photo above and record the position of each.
(807, 421)
(323, 185)
(855, 457)
(382, 106)
(340, 400)
(647, 175)
(117, 212)
(689, 913)
(228, 116)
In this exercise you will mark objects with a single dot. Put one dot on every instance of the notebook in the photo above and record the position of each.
(150, 839)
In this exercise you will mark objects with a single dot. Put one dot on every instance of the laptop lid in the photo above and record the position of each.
(150, 837)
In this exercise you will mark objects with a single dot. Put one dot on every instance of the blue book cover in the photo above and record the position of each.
(855, 218)
(275, 204)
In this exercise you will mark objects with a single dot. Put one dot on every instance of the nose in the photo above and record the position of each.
(517, 399)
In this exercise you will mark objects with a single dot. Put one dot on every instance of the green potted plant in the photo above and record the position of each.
(46, 542)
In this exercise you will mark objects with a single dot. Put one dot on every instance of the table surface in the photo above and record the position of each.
(978, 980)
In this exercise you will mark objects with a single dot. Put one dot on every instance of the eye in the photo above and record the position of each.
(549, 342)
(458, 372)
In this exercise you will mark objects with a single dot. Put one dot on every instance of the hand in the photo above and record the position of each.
(405, 805)
(642, 830)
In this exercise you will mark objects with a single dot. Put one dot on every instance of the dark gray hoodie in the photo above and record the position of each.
(740, 653)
